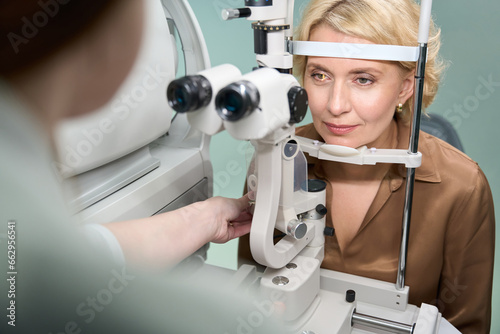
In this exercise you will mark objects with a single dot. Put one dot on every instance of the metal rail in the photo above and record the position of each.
(381, 324)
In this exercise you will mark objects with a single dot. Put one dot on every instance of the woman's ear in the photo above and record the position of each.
(407, 87)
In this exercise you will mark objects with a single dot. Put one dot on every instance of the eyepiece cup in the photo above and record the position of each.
(237, 100)
(189, 93)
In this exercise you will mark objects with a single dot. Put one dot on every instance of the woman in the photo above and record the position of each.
(361, 102)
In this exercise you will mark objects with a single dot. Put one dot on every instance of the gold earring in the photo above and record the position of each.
(400, 108)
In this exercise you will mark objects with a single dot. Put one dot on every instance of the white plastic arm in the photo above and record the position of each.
(289, 19)
(425, 20)
(269, 183)
(354, 51)
(360, 156)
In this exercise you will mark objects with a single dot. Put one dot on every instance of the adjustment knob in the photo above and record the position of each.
(321, 209)
(235, 13)
(329, 231)
(297, 101)
(350, 296)
(296, 229)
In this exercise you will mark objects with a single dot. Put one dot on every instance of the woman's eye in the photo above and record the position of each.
(319, 76)
(364, 81)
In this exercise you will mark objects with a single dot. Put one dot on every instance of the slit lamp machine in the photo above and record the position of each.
(156, 172)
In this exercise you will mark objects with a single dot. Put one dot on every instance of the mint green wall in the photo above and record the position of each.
(469, 95)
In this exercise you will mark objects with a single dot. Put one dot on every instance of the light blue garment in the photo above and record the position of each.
(64, 282)
(30, 187)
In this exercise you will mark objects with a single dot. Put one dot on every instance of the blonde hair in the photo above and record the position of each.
(391, 22)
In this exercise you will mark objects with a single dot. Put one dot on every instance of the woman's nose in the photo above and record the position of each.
(339, 102)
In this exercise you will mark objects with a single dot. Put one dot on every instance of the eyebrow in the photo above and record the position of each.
(353, 71)
(365, 70)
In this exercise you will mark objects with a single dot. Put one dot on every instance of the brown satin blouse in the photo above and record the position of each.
(452, 232)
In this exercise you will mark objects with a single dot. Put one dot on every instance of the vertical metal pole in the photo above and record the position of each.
(410, 172)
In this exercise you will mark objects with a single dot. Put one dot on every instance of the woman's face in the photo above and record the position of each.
(353, 101)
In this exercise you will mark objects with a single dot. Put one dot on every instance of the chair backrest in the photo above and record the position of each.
(440, 127)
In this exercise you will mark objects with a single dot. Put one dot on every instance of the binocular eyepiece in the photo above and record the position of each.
(237, 100)
(189, 93)
(232, 102)
(250, 106)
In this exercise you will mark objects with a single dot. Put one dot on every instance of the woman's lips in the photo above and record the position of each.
(338, 129)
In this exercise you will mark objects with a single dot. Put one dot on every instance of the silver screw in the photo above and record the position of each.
(280, 280)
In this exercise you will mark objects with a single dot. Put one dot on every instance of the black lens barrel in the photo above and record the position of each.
(189, 93)
(237, 100)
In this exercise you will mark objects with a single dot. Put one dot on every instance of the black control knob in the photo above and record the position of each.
(321, 209)
(298, 103)
(350, 296)
(329, 231)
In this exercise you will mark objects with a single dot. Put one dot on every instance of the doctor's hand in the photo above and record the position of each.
(165, 239)
(224, 218)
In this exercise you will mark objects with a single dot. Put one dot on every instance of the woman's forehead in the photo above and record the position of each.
(324, 33)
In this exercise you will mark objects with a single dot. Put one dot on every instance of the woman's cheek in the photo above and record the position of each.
(318, 99)
(370, 104)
